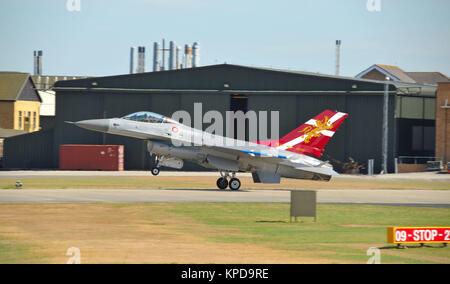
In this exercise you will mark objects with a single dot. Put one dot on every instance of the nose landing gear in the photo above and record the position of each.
(155, 170)
(223, 183)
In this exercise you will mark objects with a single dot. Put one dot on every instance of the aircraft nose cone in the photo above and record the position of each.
(101, 125)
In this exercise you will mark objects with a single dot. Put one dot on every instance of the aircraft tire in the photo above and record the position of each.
(155, 171)
(235, 184)
(222, 183)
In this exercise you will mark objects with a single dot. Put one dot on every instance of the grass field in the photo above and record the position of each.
(210, 233)
(162, 182)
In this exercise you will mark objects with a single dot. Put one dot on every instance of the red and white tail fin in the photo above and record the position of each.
(311, 137)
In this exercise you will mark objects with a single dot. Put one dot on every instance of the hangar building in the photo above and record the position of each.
(298, 96)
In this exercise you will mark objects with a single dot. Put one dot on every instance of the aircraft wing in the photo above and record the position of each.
(253, 151)
(263, 153)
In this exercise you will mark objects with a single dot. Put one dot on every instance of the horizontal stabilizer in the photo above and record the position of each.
(322, 171)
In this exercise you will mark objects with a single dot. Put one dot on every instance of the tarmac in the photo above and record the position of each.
(430, 176)
(427, 198)
(422, 198)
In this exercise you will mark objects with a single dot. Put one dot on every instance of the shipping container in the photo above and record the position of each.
(91, 157)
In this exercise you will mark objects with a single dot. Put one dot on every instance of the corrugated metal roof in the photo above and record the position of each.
(95, 82)
(312, 74)
(239, 78)
(11, 85)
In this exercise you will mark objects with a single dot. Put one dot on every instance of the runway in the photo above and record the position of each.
(427, 176)
(423, 198)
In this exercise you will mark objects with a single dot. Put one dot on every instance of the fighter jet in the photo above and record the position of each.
(296, 155)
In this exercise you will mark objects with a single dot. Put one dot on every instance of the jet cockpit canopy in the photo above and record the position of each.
(147, 116)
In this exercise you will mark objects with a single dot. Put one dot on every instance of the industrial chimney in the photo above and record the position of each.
(38, 62)
(190, 58)
(187, 56)
(172, 56)
(195, 55)
(131, 60)
(156, 57)
(141, 60)
(338, 57)
(163, 65)
(177, 57)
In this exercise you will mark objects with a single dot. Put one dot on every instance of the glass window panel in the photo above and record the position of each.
(417, 138)
(429, 134)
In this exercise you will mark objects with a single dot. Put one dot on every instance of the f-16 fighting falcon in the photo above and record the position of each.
(296, 155)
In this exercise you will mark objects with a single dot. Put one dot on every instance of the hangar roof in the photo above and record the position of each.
(229, 79)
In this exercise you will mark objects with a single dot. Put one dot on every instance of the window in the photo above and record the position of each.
(34, 120)
(145, 116)
(417, 138)
(20, 120)
(429, 142)
(423, 138)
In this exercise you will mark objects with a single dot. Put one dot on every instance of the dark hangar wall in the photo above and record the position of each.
(106, 97)
(75, 106)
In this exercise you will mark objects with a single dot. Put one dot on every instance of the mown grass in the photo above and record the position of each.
(342, 233)
(210, 183)
(16, 252)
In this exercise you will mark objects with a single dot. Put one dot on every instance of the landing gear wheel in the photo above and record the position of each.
(222, 183)
(155, 171)
(235, 184)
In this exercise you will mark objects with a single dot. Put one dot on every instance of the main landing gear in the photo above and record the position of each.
(234, 183)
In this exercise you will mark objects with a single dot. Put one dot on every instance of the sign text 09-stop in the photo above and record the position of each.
(421, 235)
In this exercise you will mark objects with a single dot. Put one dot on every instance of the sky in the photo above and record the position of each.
(286, 34)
